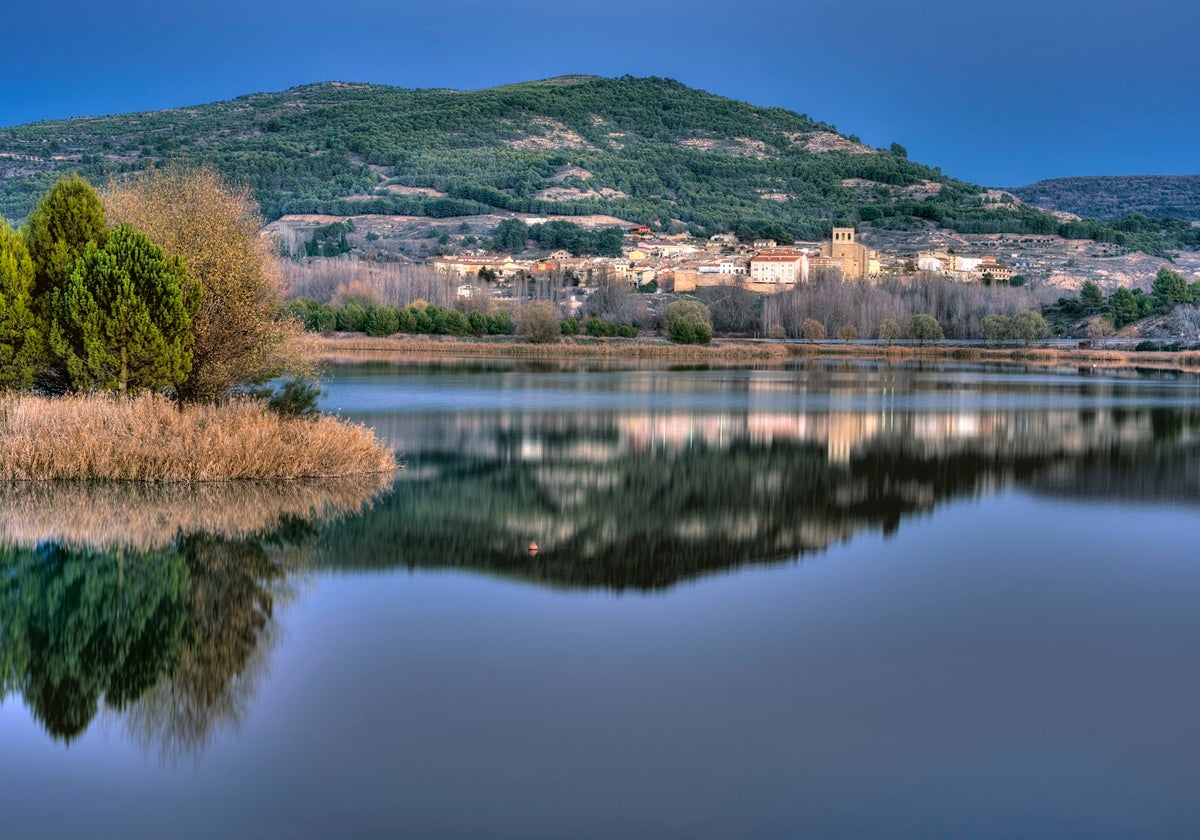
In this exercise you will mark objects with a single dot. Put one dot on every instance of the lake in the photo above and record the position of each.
(825, 599)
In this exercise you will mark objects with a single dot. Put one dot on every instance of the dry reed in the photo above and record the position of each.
(146, 517)
(150, 438)
(333, 347)
(339, 348)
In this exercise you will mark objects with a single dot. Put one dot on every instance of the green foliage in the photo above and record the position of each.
(22, 345)
(1113, 197)
(80, 626)
(924, 328)
(298, 397)
(68, 218)
(558, 234)
(1123, 306)
(330, 240)
(380, 321)
(889, 330)
(1028, 326)
(122, 322)
(683, 331)
(1170, 288)
(570, 326)
(688, 322)
(352, 317)
(1091, 297)
(599, 328)
(689, 310)
(996, 328)
(510, 236)
(311, 150)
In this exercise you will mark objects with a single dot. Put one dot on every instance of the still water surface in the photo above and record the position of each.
(820, 600)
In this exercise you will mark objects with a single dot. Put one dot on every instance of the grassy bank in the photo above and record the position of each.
(150, 438)
(341, 347)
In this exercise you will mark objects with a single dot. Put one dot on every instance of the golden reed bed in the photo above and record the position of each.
(331, 347)
(150, 438)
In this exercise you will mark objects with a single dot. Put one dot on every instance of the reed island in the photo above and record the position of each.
(140, 339)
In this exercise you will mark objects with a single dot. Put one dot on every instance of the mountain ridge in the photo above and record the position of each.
(1116, 196)
(651, 150)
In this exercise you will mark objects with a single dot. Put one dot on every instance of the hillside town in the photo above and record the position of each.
(682, 263)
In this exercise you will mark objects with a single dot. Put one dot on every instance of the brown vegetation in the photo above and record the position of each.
(149, 517)
(833, 303)
(150, 438)
(392, 284)
(213, 228)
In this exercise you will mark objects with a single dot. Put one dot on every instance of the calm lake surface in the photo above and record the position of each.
(824, 600)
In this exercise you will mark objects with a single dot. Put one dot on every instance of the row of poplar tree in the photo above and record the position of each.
(178, 298)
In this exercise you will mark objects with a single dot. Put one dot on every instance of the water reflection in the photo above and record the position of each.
(642, 500)
(157, 603)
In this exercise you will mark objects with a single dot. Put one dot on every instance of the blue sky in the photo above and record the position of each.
(999, 93)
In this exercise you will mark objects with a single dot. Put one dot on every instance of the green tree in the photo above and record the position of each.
(889, 330)
(1123, 305)
(123, 320)
(22, 346)
(996, 328)
(214, 229)
(1091, 297)
(511, 235)
(925, 328)
(69, 217)
(688, 322)
(1170, 288)
(1029, 326)
(381, 321)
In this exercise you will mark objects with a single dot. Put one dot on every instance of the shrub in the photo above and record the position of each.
(538, 322)
(925, 328)
(457, 323)
(683, 331)
(570, 327)
(351, 317)
(381, 321)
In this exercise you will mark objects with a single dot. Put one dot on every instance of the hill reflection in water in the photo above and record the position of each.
(644, 500)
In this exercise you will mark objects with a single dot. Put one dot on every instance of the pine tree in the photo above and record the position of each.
(22, 348)
(59, 230)
(123, 319)
(214, 229)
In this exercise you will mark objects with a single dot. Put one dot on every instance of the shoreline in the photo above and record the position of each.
(333, 347)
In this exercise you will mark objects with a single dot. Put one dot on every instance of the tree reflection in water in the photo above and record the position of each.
(165, 626)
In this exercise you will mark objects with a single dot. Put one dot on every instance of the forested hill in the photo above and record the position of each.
(648, 150)
(1111, 197)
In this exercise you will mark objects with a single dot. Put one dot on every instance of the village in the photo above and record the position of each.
(682, 263)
